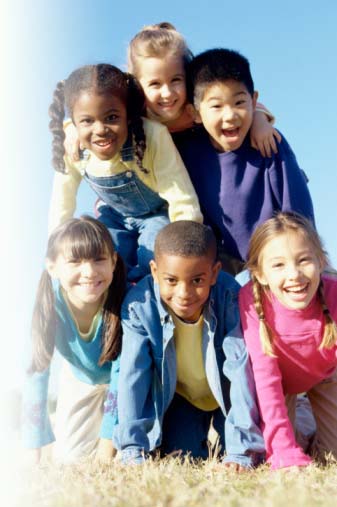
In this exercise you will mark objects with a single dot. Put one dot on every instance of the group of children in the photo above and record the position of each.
(159, 341)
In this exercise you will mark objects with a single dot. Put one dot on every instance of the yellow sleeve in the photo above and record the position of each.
(173, 182)
(63, 198)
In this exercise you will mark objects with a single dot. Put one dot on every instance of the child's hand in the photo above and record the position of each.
(105, 451)
(71, 142)
(236, 467)
(263, 136)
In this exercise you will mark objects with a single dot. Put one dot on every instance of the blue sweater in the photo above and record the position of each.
(239, 190)
(83, 358)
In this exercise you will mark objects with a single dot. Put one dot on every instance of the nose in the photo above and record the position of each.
(165, 91)
(293, 272)
(87, 268)
(99, 128)
(228, 114)
(183, 291)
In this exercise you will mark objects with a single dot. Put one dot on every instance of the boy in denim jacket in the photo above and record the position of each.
(184, 362)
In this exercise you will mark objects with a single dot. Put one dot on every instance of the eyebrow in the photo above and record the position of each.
(192, 276)
(218, 97)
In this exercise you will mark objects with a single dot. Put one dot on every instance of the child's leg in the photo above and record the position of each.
(323, 399)
(79, 415)
(124, 238)
(148, 229)
(185, 428)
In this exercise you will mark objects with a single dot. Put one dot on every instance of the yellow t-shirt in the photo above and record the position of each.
(192, 382)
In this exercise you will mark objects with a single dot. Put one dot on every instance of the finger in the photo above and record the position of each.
(267, 148)
(277, 135)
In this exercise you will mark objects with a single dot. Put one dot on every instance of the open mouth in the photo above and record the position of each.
(233, 132)
(104, 143)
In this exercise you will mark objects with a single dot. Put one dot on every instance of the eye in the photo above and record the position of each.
(215, 106)
(85, 121)
(177, 79)
(305, 258)
(170, 281)
(112, 118)
(240, 102)
(198, 280)
(277, 265)
(154, 84)
(73, 261)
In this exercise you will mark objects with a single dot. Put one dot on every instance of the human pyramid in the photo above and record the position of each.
(159, 341)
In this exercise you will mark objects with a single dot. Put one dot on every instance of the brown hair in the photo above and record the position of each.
(81, 238)
(156, 41)
(280, 224)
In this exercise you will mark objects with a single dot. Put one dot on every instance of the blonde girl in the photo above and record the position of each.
(77, 312)
(130, 162)
(288, 312)
(158, 57)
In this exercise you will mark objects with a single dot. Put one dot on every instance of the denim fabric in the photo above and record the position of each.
(148, 377)
(134, 214)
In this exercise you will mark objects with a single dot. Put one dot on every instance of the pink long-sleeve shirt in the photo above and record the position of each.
(299, 364)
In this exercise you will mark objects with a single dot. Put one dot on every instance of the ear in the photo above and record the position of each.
(260, 278)
(255, 97)
(197, 118)
(215, 271)
(154, 270)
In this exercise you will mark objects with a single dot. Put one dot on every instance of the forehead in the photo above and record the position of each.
(90, 101)
(287, 244)
(168, 64)
(224, 90)
(183, 267)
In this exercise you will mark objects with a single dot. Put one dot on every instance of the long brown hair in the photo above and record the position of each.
(81, 238)
(280, 224)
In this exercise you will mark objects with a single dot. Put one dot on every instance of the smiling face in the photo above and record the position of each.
(291, 269)
(85, 281)
(226, 111)
(163, 82)
(185, 283)
(101, 123)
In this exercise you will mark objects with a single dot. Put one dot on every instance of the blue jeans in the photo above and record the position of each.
(185, 428)
(134, 214)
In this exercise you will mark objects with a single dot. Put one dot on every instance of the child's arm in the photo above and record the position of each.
(36, 427)
(136, 411)
(282, 449)
(263, 135)
(243, 436)
(289, 184)
(106, 449)
(63, 198)
(173, 182)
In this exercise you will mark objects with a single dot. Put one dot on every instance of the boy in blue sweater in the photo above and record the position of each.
(237, 187)
(183, 360)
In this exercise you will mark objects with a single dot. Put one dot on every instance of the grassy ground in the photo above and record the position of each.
(169, 483)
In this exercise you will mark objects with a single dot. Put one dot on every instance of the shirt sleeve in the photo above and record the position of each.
(110, 417)
(173, 182)
(63, 198)
(36, 426)
(288, 182)
(281, 447)
(244, 441)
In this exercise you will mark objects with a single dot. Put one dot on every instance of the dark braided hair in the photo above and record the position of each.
(101, 79)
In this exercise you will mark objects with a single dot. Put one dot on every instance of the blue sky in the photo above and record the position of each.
(292, 48)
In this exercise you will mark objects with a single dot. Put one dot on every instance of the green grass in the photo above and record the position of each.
(169, 483)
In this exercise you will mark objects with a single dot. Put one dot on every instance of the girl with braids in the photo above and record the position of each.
(130, 162)
(288, 313)
(77, 312)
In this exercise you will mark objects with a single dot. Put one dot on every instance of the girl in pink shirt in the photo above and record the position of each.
(288, 313)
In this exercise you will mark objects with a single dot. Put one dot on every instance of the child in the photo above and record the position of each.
(288, 312)
(183, 361)
(158, 56)
(77, 311)
(237, 187)
(131, 163)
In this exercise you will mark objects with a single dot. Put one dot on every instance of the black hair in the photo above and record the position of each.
(101, 79)
(216, 65)
(186, 238)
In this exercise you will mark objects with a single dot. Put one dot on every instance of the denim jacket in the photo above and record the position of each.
(148, 377)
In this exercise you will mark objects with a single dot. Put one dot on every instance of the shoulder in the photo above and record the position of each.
(226, 285)
(154, 128)
(140, 299)
(246, 295)
(329, 279)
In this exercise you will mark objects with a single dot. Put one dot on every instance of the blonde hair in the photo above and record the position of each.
(156, 41)
(280, 224)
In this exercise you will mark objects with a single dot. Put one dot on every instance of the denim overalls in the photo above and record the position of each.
(133, 213)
